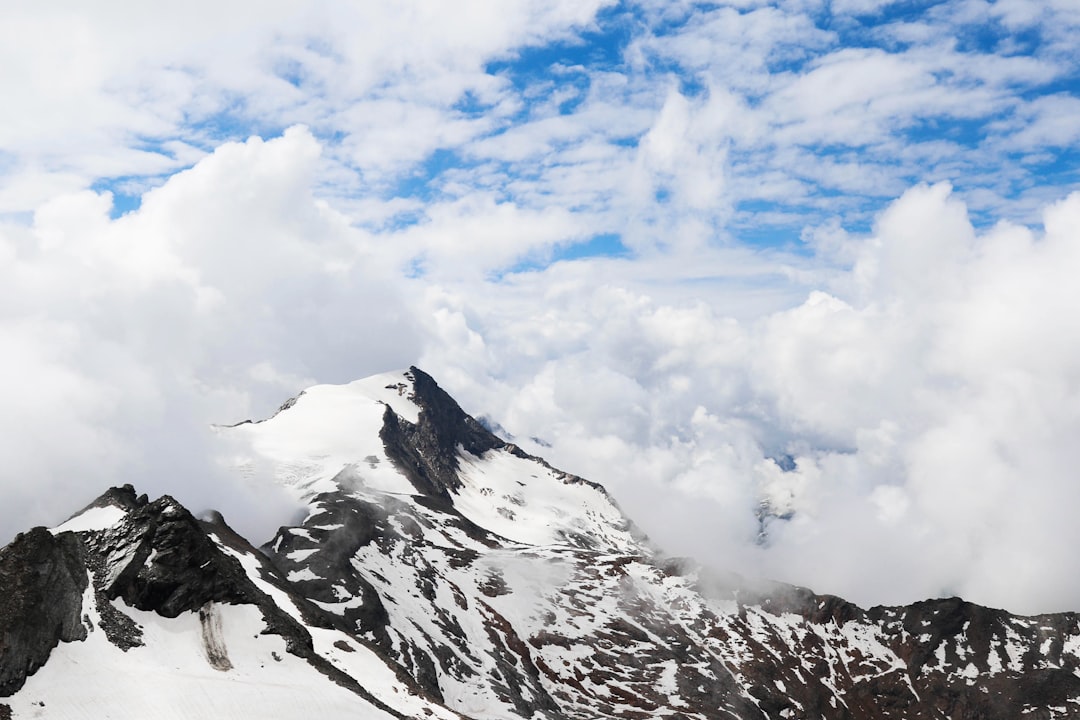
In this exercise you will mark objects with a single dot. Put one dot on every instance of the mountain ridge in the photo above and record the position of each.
(440, 571)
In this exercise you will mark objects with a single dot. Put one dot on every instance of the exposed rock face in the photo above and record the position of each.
(332, 536)
(427, 451)
(819, 656)
(42, 579)
(494, 586)
(160, 558)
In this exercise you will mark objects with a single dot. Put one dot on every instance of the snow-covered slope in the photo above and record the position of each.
(399, 435)
(442, 572)
(177, 618)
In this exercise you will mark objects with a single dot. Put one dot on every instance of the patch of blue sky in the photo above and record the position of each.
(627, 141)
(993, 37)
(598, 47)
(989, 34)
(401, 219)
(762, 224)
(876, 28)
(553, 78)
(128, 190)
(915, 11)
(965, 132)
(771, 223)
(1010, 173)
(529, 264)
(1062, 85)
(422, 183)
(291, 71)
(470, 105)
(536, 72)
(416, 268)
(1060, 167)
(126, 195)
(604, 245)
(561, 90)
(233, 124)
(571, 102)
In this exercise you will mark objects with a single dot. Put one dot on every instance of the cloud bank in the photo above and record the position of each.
(913, 414)
(126, 338)
(794, 280)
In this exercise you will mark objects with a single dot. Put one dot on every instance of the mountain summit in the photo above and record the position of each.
(441, 572)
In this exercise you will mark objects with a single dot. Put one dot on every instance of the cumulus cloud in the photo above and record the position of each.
(125, 339)
(910, 417)
(913, 414)
(843, 286)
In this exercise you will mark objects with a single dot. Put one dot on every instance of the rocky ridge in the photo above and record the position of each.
(442, 572)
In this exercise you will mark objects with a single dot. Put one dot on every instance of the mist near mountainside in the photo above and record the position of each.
(438, 571)
(730, 281)
(924, 391)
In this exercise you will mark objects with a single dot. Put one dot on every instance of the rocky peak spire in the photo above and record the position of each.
(427, 450)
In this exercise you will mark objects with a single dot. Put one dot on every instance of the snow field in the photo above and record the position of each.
(358, 661)
(171, 677)
(95, 518)
(330, 428)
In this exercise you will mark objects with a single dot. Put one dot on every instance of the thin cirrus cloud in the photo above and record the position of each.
(792, 279)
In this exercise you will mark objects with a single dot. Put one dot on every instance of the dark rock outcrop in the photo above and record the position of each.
(42, 579)
(160, 558)
(328, 542)
(427, 451)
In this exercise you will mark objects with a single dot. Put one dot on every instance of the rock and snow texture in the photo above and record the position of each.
(442, 572)
(166, 616)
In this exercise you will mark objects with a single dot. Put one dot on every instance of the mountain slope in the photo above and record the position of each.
(442, 572)
(178, 617)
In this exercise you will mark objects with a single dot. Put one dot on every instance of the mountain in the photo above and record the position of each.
(441, 572)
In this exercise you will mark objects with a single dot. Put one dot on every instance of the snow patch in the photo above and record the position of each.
(92, 519)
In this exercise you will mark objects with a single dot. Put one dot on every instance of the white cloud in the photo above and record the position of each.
(929, 412)
(860, 7)
(1049, 121)
(83, 85)
(125, 339)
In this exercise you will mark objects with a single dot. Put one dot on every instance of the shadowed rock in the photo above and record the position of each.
(42, 579)
(427, 451)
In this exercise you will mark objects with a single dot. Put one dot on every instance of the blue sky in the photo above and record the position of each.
(674, 240)
(932, 46)
(807, 112)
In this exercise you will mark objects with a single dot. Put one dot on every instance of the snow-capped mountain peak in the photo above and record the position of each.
(441, 572)
(400, 435)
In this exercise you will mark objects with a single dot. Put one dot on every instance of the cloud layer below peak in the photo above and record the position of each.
(795, 280)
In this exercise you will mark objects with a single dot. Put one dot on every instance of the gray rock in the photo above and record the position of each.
(42, 579)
